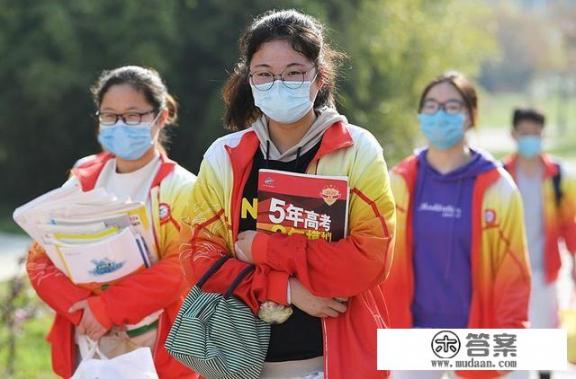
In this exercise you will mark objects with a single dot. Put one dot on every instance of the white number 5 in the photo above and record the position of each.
(277, 212)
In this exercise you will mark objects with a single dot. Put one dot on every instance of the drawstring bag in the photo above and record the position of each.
(137, 364)
(217, 335)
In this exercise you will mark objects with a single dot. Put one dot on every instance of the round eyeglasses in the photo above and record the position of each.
(292, 78)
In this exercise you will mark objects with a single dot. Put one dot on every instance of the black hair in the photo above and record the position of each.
(464, 87)
(144, 80)
(527, 114)
(305, 34)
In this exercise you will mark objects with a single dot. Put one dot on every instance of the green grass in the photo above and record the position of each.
(32, 351)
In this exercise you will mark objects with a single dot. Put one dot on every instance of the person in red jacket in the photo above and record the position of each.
(280, 102)
(136, 311)
(548, 191)
(460, 259)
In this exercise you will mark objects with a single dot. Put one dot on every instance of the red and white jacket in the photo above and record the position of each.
(160, 287)
(353, 267)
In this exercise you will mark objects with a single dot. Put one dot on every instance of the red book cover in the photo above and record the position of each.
(313, 205)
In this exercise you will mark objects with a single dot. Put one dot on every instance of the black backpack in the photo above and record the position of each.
(556, 182)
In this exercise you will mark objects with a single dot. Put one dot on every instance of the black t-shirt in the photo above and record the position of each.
(300, 337)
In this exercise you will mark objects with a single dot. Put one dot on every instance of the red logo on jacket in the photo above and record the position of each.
(164, 213)
(490, 216)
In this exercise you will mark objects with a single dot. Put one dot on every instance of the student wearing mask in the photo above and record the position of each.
(280, 102)
(460, 256)
(549, 194)
(134, 107)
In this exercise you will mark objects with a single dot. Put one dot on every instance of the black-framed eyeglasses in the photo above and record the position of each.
(450, 106)
(292, 78)
(130, 118)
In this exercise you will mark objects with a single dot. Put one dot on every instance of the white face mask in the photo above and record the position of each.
(283, 104)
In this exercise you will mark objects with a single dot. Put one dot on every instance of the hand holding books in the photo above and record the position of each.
(243, 246)
(311, 205)
(300, 296)
(315, 305)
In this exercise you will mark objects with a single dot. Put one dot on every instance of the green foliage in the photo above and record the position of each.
(395, 48)
(53, 51)
(33, 351)
(24, 352)
(532, 43)
(7, 224)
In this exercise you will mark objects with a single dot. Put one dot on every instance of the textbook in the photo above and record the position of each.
(103, 260)
(91, 236)
(313, 205)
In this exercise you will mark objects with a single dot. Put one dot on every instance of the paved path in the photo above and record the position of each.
(12, 247)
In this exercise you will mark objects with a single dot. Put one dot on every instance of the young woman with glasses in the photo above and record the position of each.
(460, 259)
(134, 107)
(280, 102)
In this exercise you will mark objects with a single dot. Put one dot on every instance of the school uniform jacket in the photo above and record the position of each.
(499, 258)
(354, 267)
(559, 219)
(134, 297)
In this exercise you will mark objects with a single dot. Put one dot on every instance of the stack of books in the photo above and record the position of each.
(90, 236)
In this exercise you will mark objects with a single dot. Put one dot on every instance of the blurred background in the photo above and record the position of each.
(519, 52)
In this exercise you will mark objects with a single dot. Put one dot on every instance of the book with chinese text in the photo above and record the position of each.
(313, 205)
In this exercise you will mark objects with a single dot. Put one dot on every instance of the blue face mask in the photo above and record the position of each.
(529, 146)
(128, 142)
(443, 130)
(283, 104)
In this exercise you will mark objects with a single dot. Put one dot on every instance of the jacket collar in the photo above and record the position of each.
(89, 171)
(408, 169)
(336, 137)
(241, 157)
(550, 167)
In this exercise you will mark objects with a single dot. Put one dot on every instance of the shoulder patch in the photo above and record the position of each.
(164, 212)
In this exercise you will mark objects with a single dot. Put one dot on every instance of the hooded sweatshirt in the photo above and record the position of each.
(300, 337)
(442, 242)
(326, 117)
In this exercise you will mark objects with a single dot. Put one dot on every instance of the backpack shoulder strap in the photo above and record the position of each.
(557, 183)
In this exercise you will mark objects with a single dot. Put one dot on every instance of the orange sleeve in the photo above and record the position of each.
(205, 238)
(52, 285)
(257, 287)
(338, 269)
(354, 264)
(568, 212)
(512, 278)
(140, 294)
(569, 234)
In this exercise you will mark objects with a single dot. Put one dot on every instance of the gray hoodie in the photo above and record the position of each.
(326, 117)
